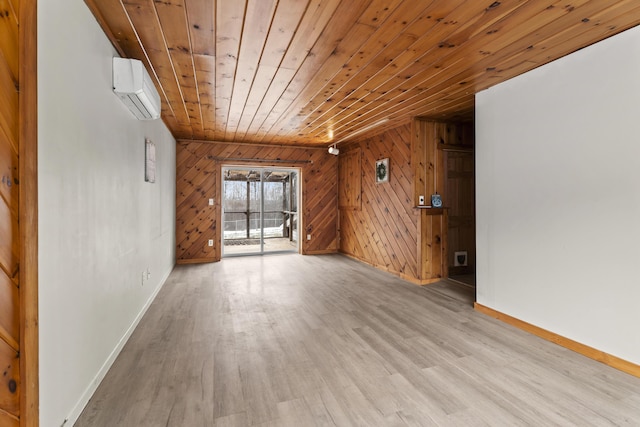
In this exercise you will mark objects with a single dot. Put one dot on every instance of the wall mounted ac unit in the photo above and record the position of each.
(134, 87)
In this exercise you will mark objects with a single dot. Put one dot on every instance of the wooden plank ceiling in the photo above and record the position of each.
(312, 72)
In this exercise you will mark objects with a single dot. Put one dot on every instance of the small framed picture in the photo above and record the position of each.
(150, 161)
(382, 171)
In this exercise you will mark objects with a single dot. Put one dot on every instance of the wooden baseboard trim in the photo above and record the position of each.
(403, 276)
(585, 350)
(322, 252)
(195, 261)
(424, 282)
(421, 282)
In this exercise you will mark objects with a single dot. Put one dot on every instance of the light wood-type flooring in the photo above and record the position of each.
(291, 340)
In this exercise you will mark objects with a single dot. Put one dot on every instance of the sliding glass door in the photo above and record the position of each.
(260, 210)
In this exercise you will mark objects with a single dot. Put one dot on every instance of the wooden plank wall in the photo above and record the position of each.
(432, 245)
(460, 195)
(383, 232)
(435, 163)
(198, 175)
(349, 175)
(430, 139)
(387, 230)
(9, 212)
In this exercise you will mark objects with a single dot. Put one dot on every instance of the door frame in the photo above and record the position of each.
(220, 213)
(445, 154)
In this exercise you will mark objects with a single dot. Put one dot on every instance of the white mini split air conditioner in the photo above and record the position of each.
(134, 87)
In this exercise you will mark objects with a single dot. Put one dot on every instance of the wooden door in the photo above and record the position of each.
(18, 214)
(460, 199)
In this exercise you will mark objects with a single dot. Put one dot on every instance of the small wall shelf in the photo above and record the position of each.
(430, 210)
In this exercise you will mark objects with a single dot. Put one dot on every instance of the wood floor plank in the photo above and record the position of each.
(415, 408)
(321, 411)
(292, 340)
(234, 420)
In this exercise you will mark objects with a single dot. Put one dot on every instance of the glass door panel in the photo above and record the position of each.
(254, 208)
(241, 212)
(294, 207)
(290, 207)
(276, 215)
(259, 210)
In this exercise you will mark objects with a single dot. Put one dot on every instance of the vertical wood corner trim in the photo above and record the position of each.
(28, 207)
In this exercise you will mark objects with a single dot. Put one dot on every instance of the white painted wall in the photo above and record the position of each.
(558, 196)
(100, 224)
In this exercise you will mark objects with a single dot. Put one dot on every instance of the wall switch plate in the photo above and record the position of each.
(421, 200)
(210, 202)
(308, 236)
(210, 242)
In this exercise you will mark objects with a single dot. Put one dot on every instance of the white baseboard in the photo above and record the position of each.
(102, 372)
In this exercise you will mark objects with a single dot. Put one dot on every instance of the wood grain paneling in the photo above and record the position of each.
(8, 104)
(9, 37)
(435, 165)
(10, 380)
(349, 177)
(432, 245)
(390, 231)
(460, 195)
(9, 214)
(198, 172)
(8, 174)
(384, 232)
(9, 246)
(297, 71)
(195, 219)
(430, 138)
(9, 320)
(7, 420)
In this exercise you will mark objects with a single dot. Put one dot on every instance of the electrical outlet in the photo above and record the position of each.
(210, 242)
(308, 236)
(210, 202)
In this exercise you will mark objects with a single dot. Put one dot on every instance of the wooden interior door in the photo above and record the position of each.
(18, 214)
(460, 199)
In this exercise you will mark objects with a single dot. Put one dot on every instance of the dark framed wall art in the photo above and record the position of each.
(382, 171)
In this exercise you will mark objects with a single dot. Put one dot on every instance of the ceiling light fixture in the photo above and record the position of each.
(334, 150)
